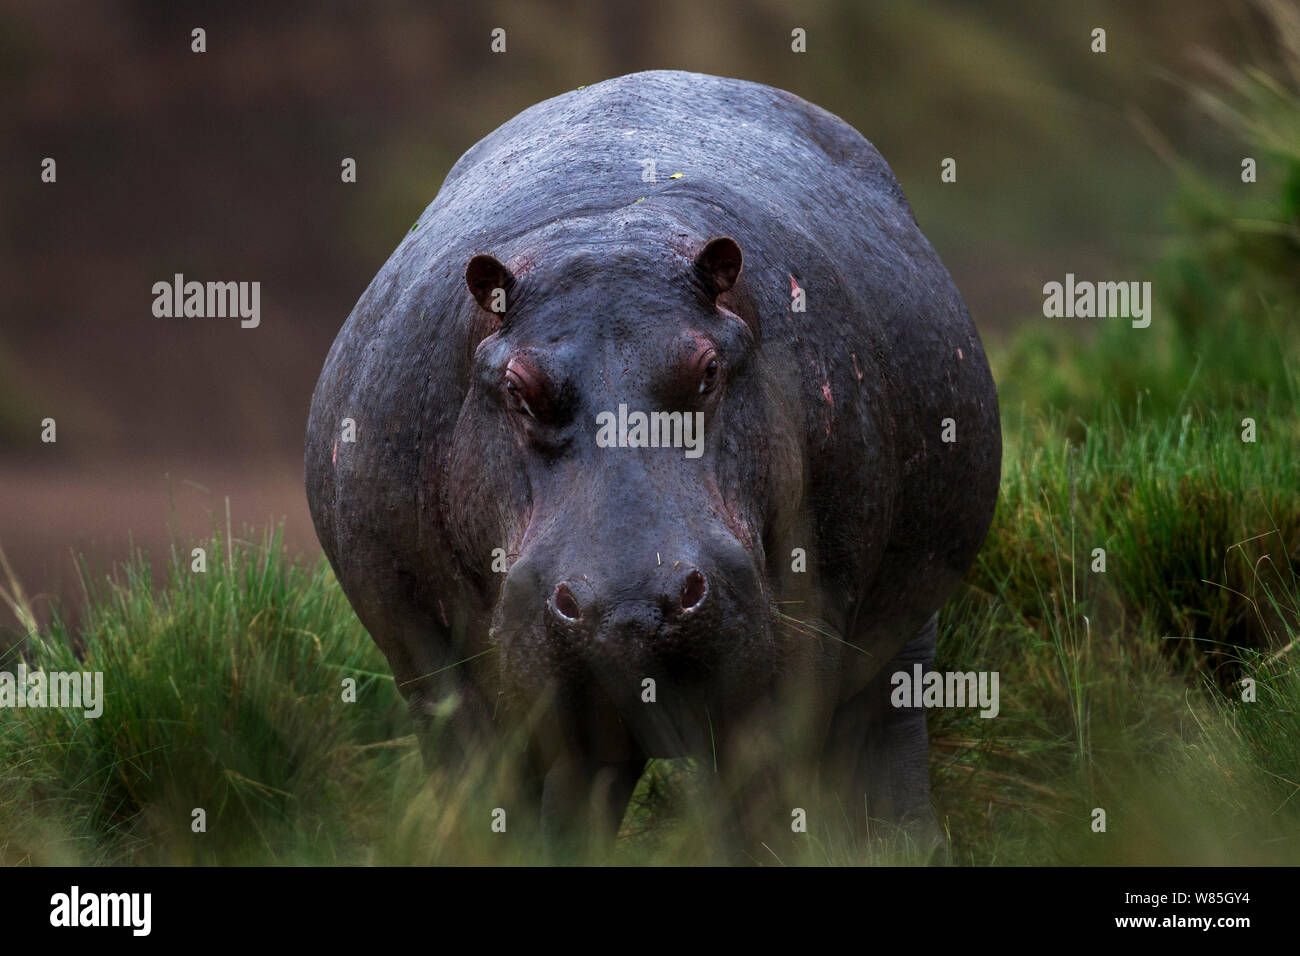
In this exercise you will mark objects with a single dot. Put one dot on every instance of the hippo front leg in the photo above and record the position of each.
(880, 753)
(583, 802)
(896, 763)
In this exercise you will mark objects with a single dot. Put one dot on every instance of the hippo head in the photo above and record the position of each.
(619, 444)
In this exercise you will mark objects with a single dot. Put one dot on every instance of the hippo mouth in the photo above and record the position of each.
(679, 724)
(662, 699)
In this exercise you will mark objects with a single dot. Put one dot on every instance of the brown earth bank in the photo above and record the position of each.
(49, 513)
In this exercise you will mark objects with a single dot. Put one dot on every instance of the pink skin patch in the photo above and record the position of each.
(826, 394)
(730, 517)
(858, 372)
(959, 355)
(334, 459)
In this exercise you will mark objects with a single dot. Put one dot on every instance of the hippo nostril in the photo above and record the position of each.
(566, 605)
(693, 590)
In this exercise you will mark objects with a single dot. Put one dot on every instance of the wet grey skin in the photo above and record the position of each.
(772, 283)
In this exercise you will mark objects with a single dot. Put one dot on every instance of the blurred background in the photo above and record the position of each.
(226, 166)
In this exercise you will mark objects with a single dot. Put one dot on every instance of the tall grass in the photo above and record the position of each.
(223, 693)
(1122, 690)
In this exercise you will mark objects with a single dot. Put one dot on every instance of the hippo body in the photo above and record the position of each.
(515, 548)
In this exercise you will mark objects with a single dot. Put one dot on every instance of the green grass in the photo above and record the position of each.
(1122, 690)
(223, 691)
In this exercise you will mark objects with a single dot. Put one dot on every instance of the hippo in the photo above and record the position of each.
(663, 433)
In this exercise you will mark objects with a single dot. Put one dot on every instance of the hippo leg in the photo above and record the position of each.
(454, 739)
(583, 802)
(896, 763)
(880, 753)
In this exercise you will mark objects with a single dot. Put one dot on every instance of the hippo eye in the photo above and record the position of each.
(709, 372)
(516, 390)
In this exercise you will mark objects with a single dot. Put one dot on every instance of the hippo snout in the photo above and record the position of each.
(624, 619)
(682, 594)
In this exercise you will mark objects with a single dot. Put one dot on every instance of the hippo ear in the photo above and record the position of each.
(490, 283)
(718, 264)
